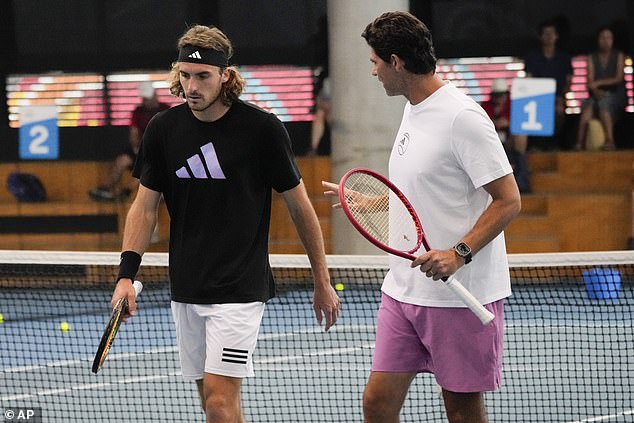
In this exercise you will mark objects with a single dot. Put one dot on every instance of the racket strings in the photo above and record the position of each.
(404, 234)
(380, 212)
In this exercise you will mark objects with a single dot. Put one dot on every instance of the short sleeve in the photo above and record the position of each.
(478, 148)
(281, 167)
(148, 167)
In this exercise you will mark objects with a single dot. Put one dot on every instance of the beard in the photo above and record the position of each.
(199, 103)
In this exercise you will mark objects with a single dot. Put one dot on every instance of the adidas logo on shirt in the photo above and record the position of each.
(198, 167)
(195, 55)
(232, 355)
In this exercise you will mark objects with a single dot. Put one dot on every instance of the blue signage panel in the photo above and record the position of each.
(39, 134)
(533, 106)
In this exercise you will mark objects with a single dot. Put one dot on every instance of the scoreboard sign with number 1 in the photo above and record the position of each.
(39, 135)
(533, 106)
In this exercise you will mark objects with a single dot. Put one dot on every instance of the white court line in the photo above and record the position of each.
(86, 386)
(111, 357)
(20, 369)
(340, 350)
(16, 397)
(331, 351)
(606, 417)
(314, 330)
(63, 363)
(588, 324)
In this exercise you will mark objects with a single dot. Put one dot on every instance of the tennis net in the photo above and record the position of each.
(568, 345)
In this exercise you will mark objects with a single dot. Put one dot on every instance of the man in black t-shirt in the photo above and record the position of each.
(215, 159)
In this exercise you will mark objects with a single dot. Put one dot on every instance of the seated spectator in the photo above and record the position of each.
(606, 89)
(549, 61)
(111, 188)
(498, 107)
(320, 143)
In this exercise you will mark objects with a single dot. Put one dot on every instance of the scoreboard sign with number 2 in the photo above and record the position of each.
(39, 138)
(533, 106)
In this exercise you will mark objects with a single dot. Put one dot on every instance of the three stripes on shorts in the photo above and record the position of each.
(232, 355)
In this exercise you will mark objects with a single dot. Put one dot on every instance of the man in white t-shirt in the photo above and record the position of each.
(449, 162)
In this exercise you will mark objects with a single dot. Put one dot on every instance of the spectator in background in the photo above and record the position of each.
(320, 143)
(606, 89)
(320, 128)
(498, 107)
(111, 188)
(549, 61)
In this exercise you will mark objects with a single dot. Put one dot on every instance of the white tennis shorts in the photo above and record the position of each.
(217, 338)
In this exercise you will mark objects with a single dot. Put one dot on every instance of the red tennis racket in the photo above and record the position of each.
(385, 217)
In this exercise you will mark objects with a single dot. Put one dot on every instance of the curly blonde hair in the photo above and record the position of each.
(209, 37)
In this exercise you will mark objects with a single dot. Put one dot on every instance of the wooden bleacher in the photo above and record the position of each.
(67, 185)
(580, 202)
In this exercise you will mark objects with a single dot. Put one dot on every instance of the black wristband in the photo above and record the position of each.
(129, 265)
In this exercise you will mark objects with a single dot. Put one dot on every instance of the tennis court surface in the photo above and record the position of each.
(569, 346)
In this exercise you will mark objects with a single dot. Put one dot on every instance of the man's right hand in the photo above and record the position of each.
(125, 289)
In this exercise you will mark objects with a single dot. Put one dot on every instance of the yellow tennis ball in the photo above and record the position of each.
(64, 327)
(339, 287)
(1, 318)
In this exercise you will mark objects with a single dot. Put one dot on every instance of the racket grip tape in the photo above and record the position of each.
(470, 301)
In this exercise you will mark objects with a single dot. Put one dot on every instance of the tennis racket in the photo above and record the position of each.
(386, 218)
(111, 329)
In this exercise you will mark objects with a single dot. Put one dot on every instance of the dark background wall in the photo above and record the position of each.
(114, 35)
(110, 35)
(464, 28)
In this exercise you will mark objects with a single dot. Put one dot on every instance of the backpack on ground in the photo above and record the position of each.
(26, 187)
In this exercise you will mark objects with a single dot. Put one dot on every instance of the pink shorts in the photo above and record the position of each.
(451, 343)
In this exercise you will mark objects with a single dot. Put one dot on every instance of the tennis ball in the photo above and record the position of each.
(1, 318)
(64, 327)
(339, 287)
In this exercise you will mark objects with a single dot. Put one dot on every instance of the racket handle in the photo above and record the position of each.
(138, 287)
(469, 300)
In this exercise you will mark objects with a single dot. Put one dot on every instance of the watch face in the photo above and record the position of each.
(463, 249)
